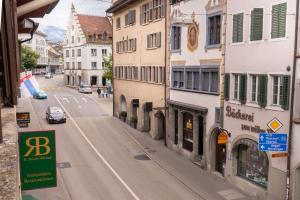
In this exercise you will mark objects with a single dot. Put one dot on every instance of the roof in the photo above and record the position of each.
(95, 26)
(119, 4)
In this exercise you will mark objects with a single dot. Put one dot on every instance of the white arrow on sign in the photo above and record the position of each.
(262, 147)
(262, 137)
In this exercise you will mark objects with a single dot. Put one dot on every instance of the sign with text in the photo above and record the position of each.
(273, 142)
(23, 117)
(37, 159)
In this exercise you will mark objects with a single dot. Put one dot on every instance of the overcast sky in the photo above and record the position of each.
(60, 14)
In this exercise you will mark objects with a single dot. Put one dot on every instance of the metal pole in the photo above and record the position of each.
(288, 173)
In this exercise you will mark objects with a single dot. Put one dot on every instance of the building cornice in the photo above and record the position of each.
(118, 5)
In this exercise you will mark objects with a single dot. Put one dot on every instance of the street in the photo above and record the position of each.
(100, 157)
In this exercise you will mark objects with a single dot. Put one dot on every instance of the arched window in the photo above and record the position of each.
(252, 164)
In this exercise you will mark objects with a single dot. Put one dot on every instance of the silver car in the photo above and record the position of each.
(85, 89)
(55, 114)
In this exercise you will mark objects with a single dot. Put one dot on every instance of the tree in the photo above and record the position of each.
(28, 57)
(108, 67)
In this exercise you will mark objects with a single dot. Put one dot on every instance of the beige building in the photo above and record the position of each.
(139, 64)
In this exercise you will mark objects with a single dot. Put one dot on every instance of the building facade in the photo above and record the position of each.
(260, 39)
(39, 44)
(54, 60)
(87, 41)
(139, 64)
(195, 80)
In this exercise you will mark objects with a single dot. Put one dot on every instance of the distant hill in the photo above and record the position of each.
(54, 34)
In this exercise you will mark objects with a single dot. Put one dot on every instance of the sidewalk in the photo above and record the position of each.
(205, 184)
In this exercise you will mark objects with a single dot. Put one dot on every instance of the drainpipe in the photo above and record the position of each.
(166, 63)
(222, 65)
(288, 173)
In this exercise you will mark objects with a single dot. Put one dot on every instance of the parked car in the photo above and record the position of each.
(85, 89)
(55, 114)
(40, 95)
(48, 75)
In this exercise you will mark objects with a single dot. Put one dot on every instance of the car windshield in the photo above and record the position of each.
(56, 110)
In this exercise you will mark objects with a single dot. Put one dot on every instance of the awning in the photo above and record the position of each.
(187, 106)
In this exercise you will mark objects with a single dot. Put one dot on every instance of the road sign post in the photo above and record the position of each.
(272, 142)
(37, 159)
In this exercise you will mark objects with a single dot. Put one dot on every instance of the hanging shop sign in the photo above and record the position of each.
(23, 119)
(222, 138)
(37, 159)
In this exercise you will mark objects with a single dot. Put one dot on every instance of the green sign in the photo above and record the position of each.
(37, 159)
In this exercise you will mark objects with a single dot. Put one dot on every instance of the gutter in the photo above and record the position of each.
(166, 52)
(35, 26)
(32, 6)
(288, 173)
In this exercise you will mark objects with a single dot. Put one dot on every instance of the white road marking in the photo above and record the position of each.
(75, 100)
(84, 99)
(79, 106)
(66, 99)
(98, 153)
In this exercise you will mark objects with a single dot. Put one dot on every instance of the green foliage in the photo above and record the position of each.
(108, 73)
(134, 119)
(28, 58)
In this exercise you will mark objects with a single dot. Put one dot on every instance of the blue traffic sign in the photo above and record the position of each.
(273, 142)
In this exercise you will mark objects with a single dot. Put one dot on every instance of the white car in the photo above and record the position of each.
(85, 89)
(48, 75)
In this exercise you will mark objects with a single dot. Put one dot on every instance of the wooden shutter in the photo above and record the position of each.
(240, 27)
(151, 10)
(262, 90)
(148, 41)
(227, 87)
(158, 39)
(134, 44)
(282, 20)
(162, 8)
(243, 88)
(235, 29)
(173, 29)
(275, 21)
(142, 10)
(284, 99)
(133, 16)
(256, 24)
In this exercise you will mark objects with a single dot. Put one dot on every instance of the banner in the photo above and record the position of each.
(28, 84)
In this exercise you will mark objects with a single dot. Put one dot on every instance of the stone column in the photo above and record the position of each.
(180, 128)
(195, 136)
(171, 127)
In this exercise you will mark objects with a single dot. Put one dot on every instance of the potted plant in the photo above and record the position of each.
(133, 121)
(123, 116)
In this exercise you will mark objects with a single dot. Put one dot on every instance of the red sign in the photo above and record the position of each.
(223, 138)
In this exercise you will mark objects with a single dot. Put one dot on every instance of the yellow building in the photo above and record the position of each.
(139, 64)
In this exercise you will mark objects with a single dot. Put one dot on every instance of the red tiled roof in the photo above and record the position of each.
(91, 25)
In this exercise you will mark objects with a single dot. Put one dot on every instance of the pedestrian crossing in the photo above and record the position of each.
(49, 88)
(69, 99)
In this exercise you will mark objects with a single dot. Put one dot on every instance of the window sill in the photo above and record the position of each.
(253, 104)
(215, 46)
(152, 48)
(237, 43)
(255, 41)
(234, 101)
(278, 39)
(117, 29)
(175, 51)
(195, 91)
(157, 20)
(275, 107)
(126, 26)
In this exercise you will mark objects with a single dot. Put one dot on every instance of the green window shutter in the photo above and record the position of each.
(282, 20)
(284, 99)
(226, 87)
(262, 90)
(235, 29)
(257, 15)
(243, 88)
(240, 27)
(275, 18)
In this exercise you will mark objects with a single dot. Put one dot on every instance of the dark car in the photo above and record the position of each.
(55, 115)
(40, 95)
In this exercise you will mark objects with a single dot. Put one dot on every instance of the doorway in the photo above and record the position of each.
(79, 80)
(103, 81)
(93, 80)
(220, 156)
(68, 80)
(200, 137)
(176, 127)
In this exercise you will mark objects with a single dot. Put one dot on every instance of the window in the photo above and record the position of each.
(68, 65)
(154, 40)
(158, 9)
(79, 65)
(67, 53)
(187, 142)
(94, 52)
(277, 89)
(130, 18)
(104, 52)
(103, 65)
(176, 38)
(73, 39)
(73, 53)
(72, 28)
(237, 32)
(73, 65)
(236, 86)
(254, 87)
(145, 13)
(210, 80)
(78, 39)
(132, 45)
(178, 78)
(172, 2)
(252, 164)
(94, 65)
(278, 20)
(78, 52)
(118, 23)
(256, 24)
(214, 30)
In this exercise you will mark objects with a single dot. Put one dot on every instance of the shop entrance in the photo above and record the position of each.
(93, 80)
(147, 119)
(176, 127)
(220, 155)
(201, 130)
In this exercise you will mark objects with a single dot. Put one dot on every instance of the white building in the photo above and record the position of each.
(88, 39)
(258, 65)
(195, 70)
(39, 44)
(54, 60)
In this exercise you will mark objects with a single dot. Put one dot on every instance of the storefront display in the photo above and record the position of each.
(187, 142)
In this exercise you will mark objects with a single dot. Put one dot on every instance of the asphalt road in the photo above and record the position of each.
(96, 158)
